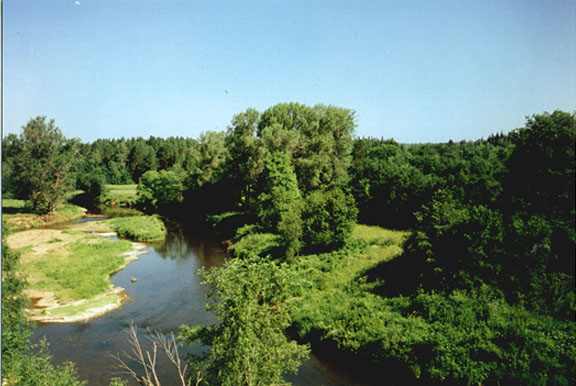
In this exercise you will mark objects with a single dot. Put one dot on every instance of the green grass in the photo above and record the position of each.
(380, 245)
(81, 271)
(112, 212)
(139, 228)
(95, 302)
(17, 216)
(13, 205)
(378, 236)
(121, 195)
(255, 244)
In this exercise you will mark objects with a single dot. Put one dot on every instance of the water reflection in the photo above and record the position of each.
(166, 294)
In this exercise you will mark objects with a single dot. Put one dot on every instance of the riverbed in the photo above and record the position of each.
(164, 293)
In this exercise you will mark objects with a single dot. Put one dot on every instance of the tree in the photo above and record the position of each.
(280, 203)
(160, 189)
(248, 346)
(142, 158)
(43, 166)
(11, 147)
(328, 218)
(210, 159)
(319, 139)
(244, 162)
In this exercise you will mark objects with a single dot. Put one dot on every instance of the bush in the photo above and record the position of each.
(328, 219)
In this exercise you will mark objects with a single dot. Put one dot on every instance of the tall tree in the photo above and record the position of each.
(44, 163)
(243, 164)
(141, 159)
(280, 204)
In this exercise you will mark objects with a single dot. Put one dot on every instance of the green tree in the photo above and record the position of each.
(248, 346)
(43, 165)
(244, 161)
(141, 158)
(94, 187)
(280, 203)
(210, 159)
(157, 190)
(328, 218)
(319, 139)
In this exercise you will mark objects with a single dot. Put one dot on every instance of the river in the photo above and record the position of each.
(166, 293)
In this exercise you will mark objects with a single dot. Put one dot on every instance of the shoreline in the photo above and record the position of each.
(45, 307)
(115, 297)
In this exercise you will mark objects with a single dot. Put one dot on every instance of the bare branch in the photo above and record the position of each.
(148, 360)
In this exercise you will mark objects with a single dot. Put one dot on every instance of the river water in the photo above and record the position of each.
(166, 294)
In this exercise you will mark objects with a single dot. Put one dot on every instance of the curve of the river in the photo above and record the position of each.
(166, 294)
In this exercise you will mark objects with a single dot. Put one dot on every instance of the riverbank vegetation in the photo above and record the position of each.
(68, 270)
(139, 228)
(18, 216)
(23, 362)
(476, 287)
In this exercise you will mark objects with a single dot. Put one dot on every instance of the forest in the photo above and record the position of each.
(480, 291)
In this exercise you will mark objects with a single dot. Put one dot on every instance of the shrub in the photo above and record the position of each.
(328, 219)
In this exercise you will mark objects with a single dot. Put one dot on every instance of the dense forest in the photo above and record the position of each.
(483, 292)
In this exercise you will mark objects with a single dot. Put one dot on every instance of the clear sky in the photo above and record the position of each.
(415, 71)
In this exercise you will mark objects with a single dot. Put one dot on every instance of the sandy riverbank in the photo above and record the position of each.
(50, 306)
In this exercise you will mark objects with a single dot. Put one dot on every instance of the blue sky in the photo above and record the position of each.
(415, 71)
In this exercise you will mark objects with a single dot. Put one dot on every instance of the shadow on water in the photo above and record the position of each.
(166, 294)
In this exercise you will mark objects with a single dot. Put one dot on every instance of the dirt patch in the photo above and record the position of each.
(114, 299)
(41, 299)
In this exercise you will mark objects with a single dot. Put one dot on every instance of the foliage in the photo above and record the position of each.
(460, 337)
(94, 188)
(260, 244)
(121, 195)
(142, 158)
(42, 165)
(64, 269)
(160, 190)
(36, 369)
(248, 346)
(209, 159)
(15, 328)
(328, 218)
(279, 205)
(243, 163)
(21, 362)
(18, 215)
(139, 228)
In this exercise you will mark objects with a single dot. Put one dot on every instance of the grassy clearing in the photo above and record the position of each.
(260, 244)
(78, 270)
(380, 245)
(344, 270)
(121, 196)
(69, 272)
(140, 228)
(18, 217)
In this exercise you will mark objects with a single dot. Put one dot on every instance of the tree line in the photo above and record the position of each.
(491, 221)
